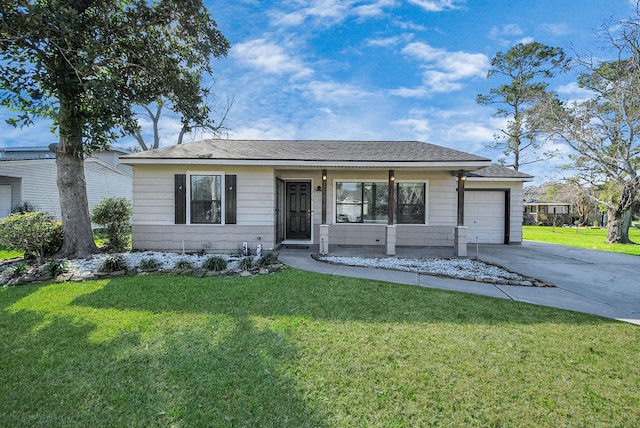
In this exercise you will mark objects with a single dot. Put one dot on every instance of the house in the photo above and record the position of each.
(218, 194)
(546, 213)
(28, 174)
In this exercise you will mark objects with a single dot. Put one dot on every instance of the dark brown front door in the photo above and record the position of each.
(299, 210)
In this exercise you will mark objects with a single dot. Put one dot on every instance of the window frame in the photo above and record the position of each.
(189, 200)
(363, 183)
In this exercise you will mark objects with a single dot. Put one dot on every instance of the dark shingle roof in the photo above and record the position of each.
(310, 150)
(498, 171)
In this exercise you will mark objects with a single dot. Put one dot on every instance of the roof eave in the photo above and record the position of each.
(485, 179)
(465, 164)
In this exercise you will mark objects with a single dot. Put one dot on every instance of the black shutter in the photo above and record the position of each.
(181, 199)
(230, 199)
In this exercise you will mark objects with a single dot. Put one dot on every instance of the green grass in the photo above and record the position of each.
(9, 254)
(595, 239)
(298, 349)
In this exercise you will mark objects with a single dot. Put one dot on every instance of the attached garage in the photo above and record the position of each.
(484, 212)
(493, 205)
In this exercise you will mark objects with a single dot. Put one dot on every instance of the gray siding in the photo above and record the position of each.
(34, 181)
(153, 211)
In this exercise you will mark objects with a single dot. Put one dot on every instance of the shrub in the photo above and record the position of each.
(35, 233)
(24, 207)
(56, 267)
(114, 214)
(148, 264)
(112, 263)
(183, 264)
(264, 261)
(19, 269)
(246, 263)
(214, 263)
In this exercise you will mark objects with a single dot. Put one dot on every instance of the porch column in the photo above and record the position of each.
(324, 227)
(391, 227)
(460, 231)
(461, 179)
(324, 196)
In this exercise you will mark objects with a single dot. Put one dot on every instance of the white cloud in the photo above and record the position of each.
(374, 9)
(270, 58)
(526, 40)
(390, 41)
(271, 128)
(419, 92)
(410, 26)
(335, 93)
(508, 34)
(437, 5)
(446, 71)
(556, 29)
(506, 30)
(419, 126)
(330, 12)
(574, 92)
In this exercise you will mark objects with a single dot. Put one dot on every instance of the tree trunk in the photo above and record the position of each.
(76, 227)
(619, 218)
(618, 227)
(72, 186)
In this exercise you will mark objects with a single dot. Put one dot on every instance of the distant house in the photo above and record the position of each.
(28, 174)
(546, 213)
(217, 194)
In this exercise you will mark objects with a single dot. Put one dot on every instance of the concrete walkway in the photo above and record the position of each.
(590, 281)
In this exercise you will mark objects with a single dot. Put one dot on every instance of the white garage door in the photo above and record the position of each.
(5, 200)
(484, 216)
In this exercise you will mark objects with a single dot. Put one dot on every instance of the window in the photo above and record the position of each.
(410, 203)
(206, 197)
(369, 202)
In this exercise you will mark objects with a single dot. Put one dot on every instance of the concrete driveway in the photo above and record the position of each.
(598, 282)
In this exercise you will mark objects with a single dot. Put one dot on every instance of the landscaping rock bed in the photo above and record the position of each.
(19, 271)
(465, 269)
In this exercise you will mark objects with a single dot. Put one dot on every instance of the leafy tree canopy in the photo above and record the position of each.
(86, 63)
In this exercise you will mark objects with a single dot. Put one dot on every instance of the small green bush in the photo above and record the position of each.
(264, 261)
(34, 233)
(148, 264)
(214, 263)
(24, 207)
(114, 214)
(112, 263)
(246, 263)
(19, 269)
(183, 264)
(56, 267)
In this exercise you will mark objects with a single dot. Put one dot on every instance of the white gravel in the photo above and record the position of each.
(456, 268)
(86, 267)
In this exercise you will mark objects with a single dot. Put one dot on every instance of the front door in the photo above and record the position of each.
(299, 210)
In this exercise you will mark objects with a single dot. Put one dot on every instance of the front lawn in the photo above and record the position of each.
(594, 239)
(9, 254)
(298, 349)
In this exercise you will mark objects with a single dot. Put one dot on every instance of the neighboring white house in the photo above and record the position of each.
(29, 175)
(217, 194)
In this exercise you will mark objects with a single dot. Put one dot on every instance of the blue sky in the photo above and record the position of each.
(376, 69)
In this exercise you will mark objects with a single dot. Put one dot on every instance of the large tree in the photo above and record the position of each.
(603, 130)
(523, 69)
(86, 63)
